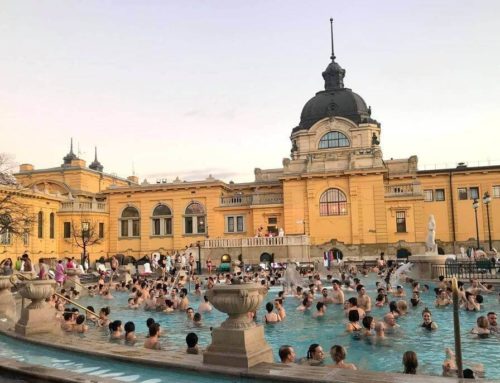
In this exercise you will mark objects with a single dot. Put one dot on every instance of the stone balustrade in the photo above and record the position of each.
(252, 199)
(290, 240)
(403, 190)
(84, 206)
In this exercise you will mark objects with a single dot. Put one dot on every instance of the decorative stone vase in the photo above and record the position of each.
(239, 341)
(73, 279)
(38, 316)
(7, 302)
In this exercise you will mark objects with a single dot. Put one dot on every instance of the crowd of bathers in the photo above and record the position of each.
(168, 294)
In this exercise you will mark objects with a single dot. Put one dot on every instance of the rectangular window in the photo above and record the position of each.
(26, 238)
(52, 225)
(474, 193)
(156, 226)
(124, 228)
(5, 238)
(230, 224)
(440, 195)
(462, 193)
(272, 220)
(188, 225)
(168, 226)
(85, 230)
(136, 228)
(496, 191)
(401, 222)
(428, 195)
(67, 229)
(101, 229)
(235, 224)
(239, 224)
(201, 224)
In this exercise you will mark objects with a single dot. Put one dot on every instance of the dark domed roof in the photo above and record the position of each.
(334, 101)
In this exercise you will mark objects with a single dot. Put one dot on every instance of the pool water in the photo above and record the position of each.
(300, 329)
(99, 367)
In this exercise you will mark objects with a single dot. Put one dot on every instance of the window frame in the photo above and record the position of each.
(130, 227)
(437, 193)
(67, 230)
(194, 220)
(336, 137)
(476, 190)
(52, 226)
(236, 218)
(461, 193)
(163, 221)
(101, 230)
(428, 192)
(6, 237)
(335, 207)
(496, 191)
(40, 224)
(401, 221)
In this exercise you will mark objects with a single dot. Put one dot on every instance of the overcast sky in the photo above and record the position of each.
(191, 88)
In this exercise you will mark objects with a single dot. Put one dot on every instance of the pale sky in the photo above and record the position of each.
(191, 88)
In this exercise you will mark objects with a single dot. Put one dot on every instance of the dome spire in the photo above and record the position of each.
(70, 156)
(333, 74)
(331, 37)
(96, 165)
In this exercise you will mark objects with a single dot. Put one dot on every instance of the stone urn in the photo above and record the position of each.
(7, 302)
(73, 279)
(38, 316)
(239, 341)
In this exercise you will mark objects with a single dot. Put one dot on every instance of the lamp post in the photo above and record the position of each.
(486, 201)
(475, 205)
(198, 245)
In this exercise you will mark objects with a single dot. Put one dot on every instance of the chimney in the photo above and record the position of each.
(133, 179)
(26, 168)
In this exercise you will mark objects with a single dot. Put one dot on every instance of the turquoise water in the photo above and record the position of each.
(102, 368)
(301, 329)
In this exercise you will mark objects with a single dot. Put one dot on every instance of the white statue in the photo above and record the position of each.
(430, 244)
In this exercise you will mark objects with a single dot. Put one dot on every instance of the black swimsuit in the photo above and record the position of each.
(427, 326)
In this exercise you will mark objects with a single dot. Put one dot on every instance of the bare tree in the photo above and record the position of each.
(85, 233)
(15, 215)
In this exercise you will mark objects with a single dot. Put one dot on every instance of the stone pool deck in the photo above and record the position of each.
(174, 358)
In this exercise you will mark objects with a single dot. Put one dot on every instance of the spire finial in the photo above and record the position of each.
(71, 146)
(331, 36)
(95, 153)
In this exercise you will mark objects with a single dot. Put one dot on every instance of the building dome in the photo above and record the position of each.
(335, 103)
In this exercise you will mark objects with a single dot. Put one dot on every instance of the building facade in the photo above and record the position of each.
(335, 192)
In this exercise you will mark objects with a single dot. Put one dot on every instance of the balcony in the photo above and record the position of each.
(291, 240)
(84, 206)
(403, 190)
(251, 199)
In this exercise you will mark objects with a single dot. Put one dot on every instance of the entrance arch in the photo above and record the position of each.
(266, 258)
(403, 253)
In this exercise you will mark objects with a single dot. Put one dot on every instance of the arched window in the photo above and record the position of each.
(333, 202)
(195, 219)
(40, 224)
(130, 222)
(162, 220)
(52, 225)
(5, 223)
(333, 140)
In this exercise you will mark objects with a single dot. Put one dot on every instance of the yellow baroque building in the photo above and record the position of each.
(335, 192)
